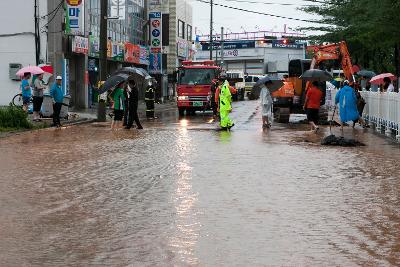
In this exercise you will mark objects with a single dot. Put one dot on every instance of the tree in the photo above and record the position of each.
(369, 27)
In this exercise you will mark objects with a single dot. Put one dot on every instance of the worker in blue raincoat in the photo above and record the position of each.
(347, 100)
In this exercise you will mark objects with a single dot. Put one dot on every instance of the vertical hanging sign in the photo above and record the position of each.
(74, 17)
(155, 32)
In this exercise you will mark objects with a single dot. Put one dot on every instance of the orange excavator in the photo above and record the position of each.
(290, 98)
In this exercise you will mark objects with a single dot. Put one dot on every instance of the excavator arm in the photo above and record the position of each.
(337, 51)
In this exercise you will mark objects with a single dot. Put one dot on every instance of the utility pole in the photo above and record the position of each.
(211, 29)
(222, 48)
(101, 112)
(37, 47)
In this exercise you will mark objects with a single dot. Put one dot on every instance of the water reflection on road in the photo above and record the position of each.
(181, 193)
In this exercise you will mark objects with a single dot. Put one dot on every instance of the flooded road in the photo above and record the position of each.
(181, 193)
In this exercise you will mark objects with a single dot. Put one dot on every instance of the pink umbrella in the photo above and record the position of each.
(30, 69)
(378, 79)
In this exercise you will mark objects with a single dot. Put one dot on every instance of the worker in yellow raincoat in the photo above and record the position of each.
(225, 106)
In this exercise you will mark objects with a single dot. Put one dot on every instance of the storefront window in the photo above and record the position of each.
(181, 29)
(189, 32)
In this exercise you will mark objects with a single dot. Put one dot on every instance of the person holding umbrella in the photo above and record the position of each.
(38, 88)
(385, 79)
(312, 105)
(133, 104)
(387, 85)
(118, 98)
(266, 104)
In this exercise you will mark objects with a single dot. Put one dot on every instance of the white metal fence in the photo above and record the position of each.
(382, 110)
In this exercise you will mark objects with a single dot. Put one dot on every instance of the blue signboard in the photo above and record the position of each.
(280, 44)
(229, 45)
(155, 63)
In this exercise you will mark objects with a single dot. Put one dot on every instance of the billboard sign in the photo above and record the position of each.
(155, 63)
(230, 45)
(80, 45)
(280, 44)
(182, 48)
(155, 32)
(132, 53)
(144, 55)
(94, 46)
(74, 14)
(118, 51)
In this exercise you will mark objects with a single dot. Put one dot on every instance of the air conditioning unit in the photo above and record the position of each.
(13, 69)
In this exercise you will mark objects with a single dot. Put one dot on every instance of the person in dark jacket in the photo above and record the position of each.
(150, 101)
(214, 105)
(133, 102)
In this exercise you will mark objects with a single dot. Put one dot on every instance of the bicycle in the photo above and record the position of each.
(17, 101)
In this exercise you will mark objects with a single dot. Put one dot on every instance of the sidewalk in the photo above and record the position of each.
(88, 116)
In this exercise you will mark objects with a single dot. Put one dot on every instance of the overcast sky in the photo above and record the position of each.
(234, 20)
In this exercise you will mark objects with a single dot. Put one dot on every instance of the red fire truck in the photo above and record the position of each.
(194, 85)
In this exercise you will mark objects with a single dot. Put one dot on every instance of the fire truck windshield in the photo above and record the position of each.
(196, 76)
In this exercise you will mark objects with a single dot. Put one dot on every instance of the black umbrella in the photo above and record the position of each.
(113, 81)
(316, 75)
(132, 71)
(139, 75)
(275, 84)
(366, 73)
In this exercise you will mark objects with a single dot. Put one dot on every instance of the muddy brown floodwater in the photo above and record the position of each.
(181, 193)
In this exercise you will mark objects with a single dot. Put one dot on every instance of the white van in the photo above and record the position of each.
(250, 81)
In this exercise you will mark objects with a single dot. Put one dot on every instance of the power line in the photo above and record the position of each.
(54, 10)
(259, 13)
(50, 20)
(16, 34)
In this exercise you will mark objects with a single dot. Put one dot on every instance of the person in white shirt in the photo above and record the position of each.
(388, 86)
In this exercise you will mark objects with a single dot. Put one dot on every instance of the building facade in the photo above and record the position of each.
(176, 41)
(254, 57)
(69, 37)
(17, 42)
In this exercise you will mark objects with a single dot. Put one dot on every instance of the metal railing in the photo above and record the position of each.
(383, 111)
(256, 35)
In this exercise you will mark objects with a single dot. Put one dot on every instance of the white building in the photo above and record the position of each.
(17, 42)
(254, 57)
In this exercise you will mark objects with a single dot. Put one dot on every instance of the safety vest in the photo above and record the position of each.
(225, 97)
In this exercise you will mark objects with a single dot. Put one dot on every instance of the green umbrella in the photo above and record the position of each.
(366, 73)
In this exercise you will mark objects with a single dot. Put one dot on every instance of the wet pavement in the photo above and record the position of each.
(182, 193)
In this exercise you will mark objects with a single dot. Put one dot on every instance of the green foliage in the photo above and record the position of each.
(370, 28)
(12, 118)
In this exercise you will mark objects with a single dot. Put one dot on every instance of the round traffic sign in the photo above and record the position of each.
(156, 33)
(156, 42)
(156, 23)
